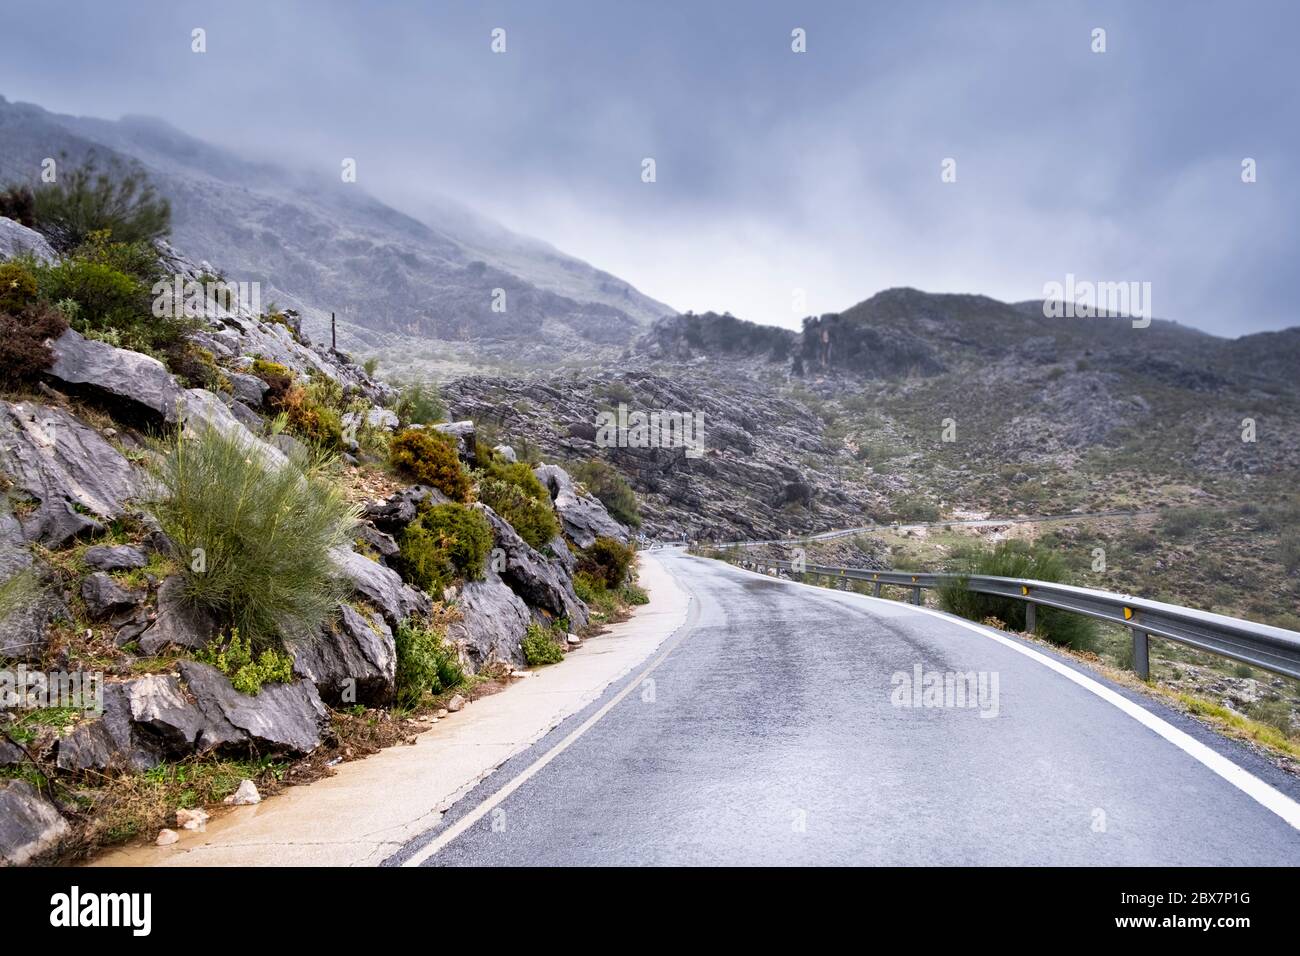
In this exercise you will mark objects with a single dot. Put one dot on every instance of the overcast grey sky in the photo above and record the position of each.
(776, 170)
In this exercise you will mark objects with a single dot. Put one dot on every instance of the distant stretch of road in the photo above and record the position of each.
(786, 724)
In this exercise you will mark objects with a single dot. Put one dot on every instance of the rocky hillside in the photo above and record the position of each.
(317, 244)
(914, 406)
(150, 505)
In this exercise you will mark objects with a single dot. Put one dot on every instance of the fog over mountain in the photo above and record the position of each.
(776, 171)
(320, 244)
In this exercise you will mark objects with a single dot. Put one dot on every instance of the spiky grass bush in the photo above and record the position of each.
(1016, 559)
(253, 539)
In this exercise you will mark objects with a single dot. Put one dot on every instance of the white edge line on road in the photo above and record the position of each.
(1245, 781)
(486, 807)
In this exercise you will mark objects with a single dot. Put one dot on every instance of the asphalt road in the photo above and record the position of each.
(774, 735)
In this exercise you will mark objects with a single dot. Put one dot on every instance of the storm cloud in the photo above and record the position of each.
(786, 183)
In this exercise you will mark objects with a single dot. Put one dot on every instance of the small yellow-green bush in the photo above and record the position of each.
(541, 645)
(247, 669)
(17, 287)
(513, 492)
(444, 542)
(430, 458)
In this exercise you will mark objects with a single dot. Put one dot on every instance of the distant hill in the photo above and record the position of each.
(321, 245)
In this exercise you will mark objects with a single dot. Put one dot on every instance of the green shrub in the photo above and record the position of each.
(264, 533)
(247, 669)
(608, 561)
(197, 368)
(1289, 550)
(426, 663)
(17, 286)
(513, 492)
(1016, 559)
(278, 381)
(19, 204)
(24, 353)
(444, 542)
(541, 646)
(110, 303)
(420, 404)
(139, 260)
(87, 199)
(1180, 522)
(634, 594)
(312, 416)
(312, 411)
(610, 487)
(430, 458)
(915, 508)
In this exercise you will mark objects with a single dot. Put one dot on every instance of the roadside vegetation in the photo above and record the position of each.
(247, 534)
(253, 540)
(1016, 559)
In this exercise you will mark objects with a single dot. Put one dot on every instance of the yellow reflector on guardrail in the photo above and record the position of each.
(1128, 614)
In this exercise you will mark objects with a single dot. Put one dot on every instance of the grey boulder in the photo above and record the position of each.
(382, 543)
(583, 516)
(110, 743)
(17, 240)
(493, 621)
(249, 389)
(30, 825)
(288, 718)
(76, 477)
(104, 596)
(402, 508)
(180, 621)
(130, 381)
(118, 557)
(382, 587)
(353, 660)
(542, 582)
(465, 434)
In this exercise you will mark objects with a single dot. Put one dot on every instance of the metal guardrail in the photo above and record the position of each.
(1260, 645)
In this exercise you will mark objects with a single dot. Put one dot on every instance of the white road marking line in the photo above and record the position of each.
(488, 805)
(1245, 781)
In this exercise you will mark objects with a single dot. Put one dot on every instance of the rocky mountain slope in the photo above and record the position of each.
(90, 583)
(911, 405)
(317, 244)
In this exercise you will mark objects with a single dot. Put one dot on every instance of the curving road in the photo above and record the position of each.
(771, 729)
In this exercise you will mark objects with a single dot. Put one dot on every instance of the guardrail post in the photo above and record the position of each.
(916, 596)
(875, 589)
(1031, 616)
(1141, 662)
